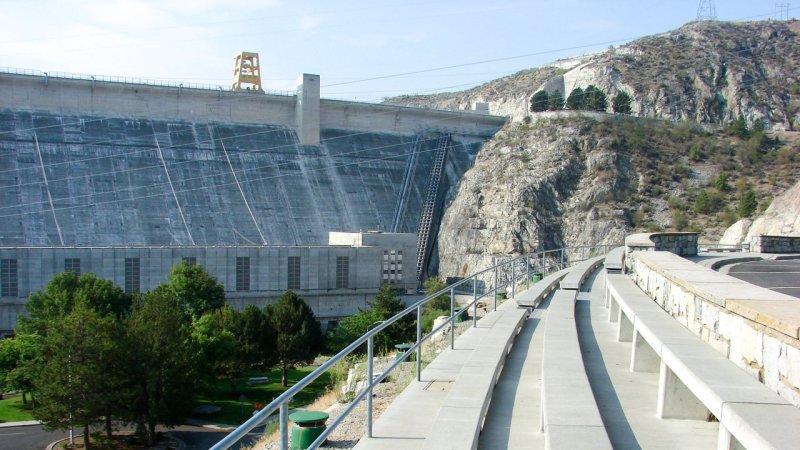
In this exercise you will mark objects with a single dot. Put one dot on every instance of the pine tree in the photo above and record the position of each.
(622, 103)
(298, 336)
(539, 101)
(575, 99)
(747, 203)
(556, 102)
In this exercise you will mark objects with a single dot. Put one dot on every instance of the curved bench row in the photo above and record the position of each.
(570, 418)
(460, 418)
(579, 272)
(694, 379)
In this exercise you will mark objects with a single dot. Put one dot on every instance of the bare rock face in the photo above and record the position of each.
(532, 188)
(708, 72)
(736, 233)
(782, 218)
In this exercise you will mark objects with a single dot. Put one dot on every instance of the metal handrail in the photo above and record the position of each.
(281, 403)
(130, 80)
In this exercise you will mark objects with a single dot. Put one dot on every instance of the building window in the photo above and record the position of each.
(392, 265)
(132, 275)
(72, 265)
(342, 271)
(189, 260)
(8, 278)
(242, 273)
(293, 281)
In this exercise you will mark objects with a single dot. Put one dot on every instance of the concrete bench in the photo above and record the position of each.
(694, 379)
(531, 298)
(570, 418)
(578, 273)
(460, 418)
(254, 381)
(613, 260)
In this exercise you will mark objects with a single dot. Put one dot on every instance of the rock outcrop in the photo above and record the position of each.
(535, 188)
(704, 71)
(782, 218)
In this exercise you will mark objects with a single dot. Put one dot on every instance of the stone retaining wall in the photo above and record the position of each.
(776, 244)
(684, 244)
(755, 328)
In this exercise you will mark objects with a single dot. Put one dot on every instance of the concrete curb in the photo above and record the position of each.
(27, 423)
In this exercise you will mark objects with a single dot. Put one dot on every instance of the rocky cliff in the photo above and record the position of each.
(781, 218)
(704, 71)
(564, 178)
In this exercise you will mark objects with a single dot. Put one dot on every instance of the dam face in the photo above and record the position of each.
(84, 163)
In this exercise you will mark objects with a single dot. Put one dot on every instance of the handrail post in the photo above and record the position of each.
(495, 286)
(419, 342)
(528, 273)
(475, 302)
(452, 316)
(562, 259)
(513, 280)
(370, 350)
(544, 264)
(284, 428)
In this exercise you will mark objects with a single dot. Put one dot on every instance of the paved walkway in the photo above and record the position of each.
(627, 400)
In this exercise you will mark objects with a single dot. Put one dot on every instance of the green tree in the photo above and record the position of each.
(539, 101)
(353, 327)
(161, 360)
(61, 294)
(387, 305)
(575, 99)
(17, 363)
(702, 203)
(215, 338)
(197, 291)
(594, 99)
(433, 285)
(72, 379)
(622, 103)
(738, 128)
(297, 333)
(556, 101)
(256, 338)
(747, 203)
(721, 182)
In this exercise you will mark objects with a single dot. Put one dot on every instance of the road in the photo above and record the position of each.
(35, 438)
(780, 276)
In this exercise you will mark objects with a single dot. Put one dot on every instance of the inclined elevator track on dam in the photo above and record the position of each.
(429, 211)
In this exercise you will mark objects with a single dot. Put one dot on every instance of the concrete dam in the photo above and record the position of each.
(87, 162)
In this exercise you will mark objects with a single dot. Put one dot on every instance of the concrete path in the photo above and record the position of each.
(407, 422)
(627, 400)
(513, 417)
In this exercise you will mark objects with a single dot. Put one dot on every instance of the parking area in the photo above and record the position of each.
(780, 276)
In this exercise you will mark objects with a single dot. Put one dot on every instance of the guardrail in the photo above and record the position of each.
(130, 80)
(547, 260)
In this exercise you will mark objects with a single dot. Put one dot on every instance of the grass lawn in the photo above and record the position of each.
(235, 412)
(12, 410)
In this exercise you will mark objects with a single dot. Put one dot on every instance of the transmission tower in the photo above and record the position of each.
(706, 10)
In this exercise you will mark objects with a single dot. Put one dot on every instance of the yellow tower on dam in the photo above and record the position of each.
(246, 72)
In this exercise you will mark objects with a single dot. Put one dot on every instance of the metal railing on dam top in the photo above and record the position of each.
(130, 80)
(507, 273)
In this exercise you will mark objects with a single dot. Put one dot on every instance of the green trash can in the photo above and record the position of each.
(401, 350)
(536, 276)
(308, 426)
(459, 313)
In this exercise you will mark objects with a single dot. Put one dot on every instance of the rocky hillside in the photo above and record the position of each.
(684, 161)
(578, 179)
(704, 71)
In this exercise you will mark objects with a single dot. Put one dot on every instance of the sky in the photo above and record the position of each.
(363, 50)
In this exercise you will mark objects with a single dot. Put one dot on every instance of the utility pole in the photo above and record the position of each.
(706, 10)
(782, 10)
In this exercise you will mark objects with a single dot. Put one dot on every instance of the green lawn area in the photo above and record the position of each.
(235, 412)
(12, 410)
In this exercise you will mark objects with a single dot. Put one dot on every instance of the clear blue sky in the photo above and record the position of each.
(195, 40)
